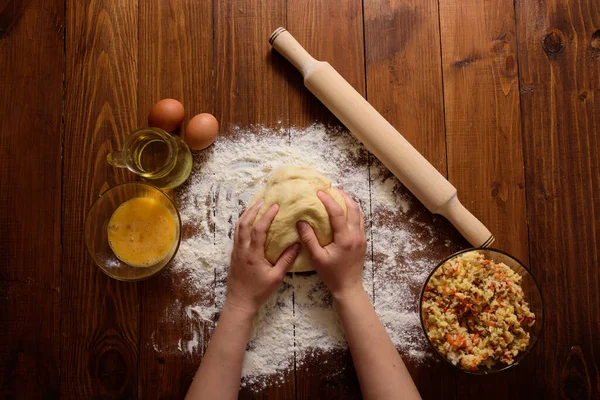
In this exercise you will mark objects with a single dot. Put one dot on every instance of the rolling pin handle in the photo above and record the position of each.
(288, 46)
(467, 224)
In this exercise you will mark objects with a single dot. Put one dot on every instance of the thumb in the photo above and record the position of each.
(308, 237)
(287, 258)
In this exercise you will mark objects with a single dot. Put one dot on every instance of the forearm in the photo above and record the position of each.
(380, 370)
(220, 371)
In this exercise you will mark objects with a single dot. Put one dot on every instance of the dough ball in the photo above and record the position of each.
(295, 190)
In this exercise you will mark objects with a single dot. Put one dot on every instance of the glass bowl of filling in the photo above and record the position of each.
(481, 310)
(132, 231)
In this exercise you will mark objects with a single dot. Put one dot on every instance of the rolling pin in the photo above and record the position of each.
(381, 139)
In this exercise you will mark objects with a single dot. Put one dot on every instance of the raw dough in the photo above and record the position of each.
(295, 190)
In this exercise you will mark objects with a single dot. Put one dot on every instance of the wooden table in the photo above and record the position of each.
(502, 97)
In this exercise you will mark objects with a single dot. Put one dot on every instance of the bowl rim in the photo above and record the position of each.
(95, 203)
(441, 356)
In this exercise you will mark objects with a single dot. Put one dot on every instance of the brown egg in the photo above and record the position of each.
(167, 114)
(201, 131)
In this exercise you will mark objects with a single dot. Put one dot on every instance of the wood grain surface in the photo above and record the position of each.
(559, 76)
(31, 89)
(502, 97)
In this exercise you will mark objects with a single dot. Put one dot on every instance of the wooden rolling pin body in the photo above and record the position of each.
(381, 139)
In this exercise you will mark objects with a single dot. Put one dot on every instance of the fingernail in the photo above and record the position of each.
(275, 206)
(301, 224)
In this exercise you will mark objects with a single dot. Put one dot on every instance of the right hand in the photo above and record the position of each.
(340, 263)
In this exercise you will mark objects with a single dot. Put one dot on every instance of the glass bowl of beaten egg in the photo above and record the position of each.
(132, 231)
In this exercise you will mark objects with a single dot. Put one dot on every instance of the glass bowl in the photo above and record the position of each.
(96, 231)
(532, 295)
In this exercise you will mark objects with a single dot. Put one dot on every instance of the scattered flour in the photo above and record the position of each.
(299, 319)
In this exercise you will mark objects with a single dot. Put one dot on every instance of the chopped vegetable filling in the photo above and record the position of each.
(474, 312)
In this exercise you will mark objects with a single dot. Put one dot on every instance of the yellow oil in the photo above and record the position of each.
(161, 163)
(150, 156)
(141, 232)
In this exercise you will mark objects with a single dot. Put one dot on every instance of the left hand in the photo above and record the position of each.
(252, 278)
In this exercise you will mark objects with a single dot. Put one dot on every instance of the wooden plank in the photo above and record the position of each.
(100, 315)
(483, 131)
(330, 31)
(250, 85)
(333, 32)
(485, 160)
(559, 67)
(176, 56)
(32, 67)
(176, 61)
(251, 89)
(404, 75)
(404, 82)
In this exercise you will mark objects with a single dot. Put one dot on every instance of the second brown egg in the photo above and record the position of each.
(201, 131)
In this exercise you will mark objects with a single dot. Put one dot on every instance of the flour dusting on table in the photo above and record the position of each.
(299, 319)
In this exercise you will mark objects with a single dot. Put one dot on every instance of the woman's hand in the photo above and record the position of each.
(251, 281)
(252, 278)
(340, 263)
(380, 370)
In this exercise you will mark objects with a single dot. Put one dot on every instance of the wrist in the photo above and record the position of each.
(345, 295)
(239, 312)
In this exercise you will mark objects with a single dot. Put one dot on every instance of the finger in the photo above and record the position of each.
(244, 224)
(362, 225)
(249, 215)
(354, 213)
(337, 217)
(286, 260)
(310, 241)
(261, 227)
